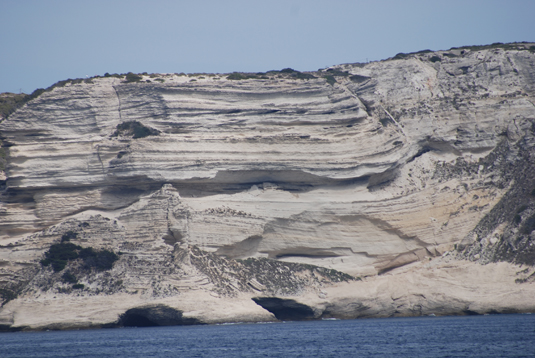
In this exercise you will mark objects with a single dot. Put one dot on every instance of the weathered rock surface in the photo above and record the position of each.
(215, 192)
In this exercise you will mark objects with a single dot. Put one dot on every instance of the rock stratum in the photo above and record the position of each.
(394, 188)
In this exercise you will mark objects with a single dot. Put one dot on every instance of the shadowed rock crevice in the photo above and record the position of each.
(153, 316)
(286, 309)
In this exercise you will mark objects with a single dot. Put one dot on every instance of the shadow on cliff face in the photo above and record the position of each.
(286, 309)
(155, 315)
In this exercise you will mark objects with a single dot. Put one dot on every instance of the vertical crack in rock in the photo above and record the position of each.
(395, 122)
(99, 158)
(119, 103)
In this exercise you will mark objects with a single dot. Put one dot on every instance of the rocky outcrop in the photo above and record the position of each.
(276, 186)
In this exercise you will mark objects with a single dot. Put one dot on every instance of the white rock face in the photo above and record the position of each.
(395, 163)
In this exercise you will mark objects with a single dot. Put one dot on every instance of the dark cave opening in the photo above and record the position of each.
(136, 320)
(285, 309)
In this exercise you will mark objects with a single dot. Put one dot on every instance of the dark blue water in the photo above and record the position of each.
(468, 336)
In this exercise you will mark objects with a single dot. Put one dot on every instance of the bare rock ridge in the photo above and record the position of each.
(393, 188)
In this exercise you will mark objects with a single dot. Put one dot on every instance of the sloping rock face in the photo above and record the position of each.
(272, 185)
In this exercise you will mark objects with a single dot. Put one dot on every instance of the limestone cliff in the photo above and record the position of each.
(399, 187)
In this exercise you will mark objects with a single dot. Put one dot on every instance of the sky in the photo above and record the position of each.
(45, 41)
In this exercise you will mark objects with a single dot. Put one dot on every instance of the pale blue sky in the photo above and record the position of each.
(44, 41)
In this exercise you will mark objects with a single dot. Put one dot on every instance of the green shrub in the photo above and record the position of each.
(7, 295)
(134, 129)
(68, 236)
(69, 278)
(78, 286)
(401, 56)
(303, 76)
(358, 78)
(330, 79)
(237, 76)
(521, 209)
(132, 77)
(385, 121)
(3, 156)
(529, 226)
(9, 102)
(435, 59)
(101, 260)
(286, 72)
(60, 254)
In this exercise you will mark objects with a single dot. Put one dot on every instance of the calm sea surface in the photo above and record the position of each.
(467, 336)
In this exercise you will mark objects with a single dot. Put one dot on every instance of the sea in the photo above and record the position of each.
(461, 336)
